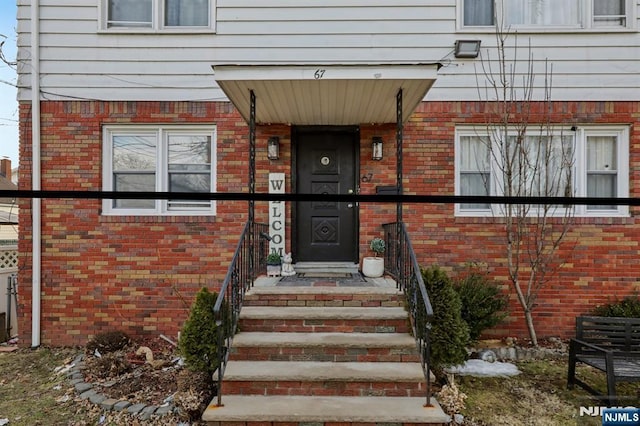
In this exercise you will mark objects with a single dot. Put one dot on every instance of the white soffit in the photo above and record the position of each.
(325, 94)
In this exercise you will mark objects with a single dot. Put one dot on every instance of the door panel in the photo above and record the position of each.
(325, 164)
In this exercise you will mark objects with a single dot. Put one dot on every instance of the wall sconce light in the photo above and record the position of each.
(376, 148)
(273, 148)
(467, 48)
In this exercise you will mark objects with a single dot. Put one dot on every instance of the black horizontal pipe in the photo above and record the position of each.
(359, 198)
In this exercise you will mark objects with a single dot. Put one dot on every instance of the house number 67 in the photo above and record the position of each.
(318, 74)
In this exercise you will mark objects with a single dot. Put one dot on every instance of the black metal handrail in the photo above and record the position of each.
(401, 263)
(249, 260)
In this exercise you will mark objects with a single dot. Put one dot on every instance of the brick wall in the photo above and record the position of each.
(139, 274)
(601, 253)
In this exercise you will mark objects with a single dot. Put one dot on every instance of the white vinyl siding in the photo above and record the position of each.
(596, 158)
(79, 59)
(159, 159)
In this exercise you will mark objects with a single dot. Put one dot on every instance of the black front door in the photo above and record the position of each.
(326, 164)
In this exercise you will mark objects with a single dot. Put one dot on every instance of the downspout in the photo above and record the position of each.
(36, 203)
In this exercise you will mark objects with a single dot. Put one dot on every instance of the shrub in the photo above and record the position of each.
(107, 366)
(108, 341)
(377, 245)
(629, 307)
(274, 258)
(198, 342)
(483, 304)
(449, 332)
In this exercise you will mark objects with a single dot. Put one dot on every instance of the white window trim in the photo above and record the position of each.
(157, 21)
(586, 24)
(579, 171)
(161, 206)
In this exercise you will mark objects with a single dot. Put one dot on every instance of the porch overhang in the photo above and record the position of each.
(325, 94)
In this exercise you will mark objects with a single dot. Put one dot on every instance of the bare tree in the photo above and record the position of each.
(3, 59)
(528, 157)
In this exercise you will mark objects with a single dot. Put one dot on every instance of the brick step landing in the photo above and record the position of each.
(336, 347)
(324, 319)
(324, 296)
(324, 378)
(330, 411)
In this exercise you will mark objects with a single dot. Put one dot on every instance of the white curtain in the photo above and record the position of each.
(188, 13)
(542, 12)
(608, 7)
(602, 168)
(609, 12)
(130, 12)
(474, 169)
(478, 12)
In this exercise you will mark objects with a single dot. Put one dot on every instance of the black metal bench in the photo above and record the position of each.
(609, 344)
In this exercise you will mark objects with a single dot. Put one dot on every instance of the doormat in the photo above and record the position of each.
(325, 275)
(324, 278)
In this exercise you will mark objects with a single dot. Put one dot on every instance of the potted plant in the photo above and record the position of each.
(274, 264)
(373, 267)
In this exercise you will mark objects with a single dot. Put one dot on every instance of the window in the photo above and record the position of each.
(478, 13)
(475, 171)
(166, 159)
(585, 162)
(569, 14)
(159, 14)
(554, 13)
(542, 165)
(602, 168)
(130, 13)
(609, 13)
(186, 13)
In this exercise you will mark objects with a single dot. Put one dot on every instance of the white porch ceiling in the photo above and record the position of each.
(325, 94)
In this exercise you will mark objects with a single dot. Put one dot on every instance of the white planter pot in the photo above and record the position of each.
(273, 270)
(373, 267)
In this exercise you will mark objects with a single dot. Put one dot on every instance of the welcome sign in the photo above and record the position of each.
(276, 214)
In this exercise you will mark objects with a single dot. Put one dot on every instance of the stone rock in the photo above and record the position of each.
(147, 412)
(121, 405)
(135, 408)
(108, 403)
(82, 387)
(488, 355)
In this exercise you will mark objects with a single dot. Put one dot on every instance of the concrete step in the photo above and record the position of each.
(324, 319)
(300, 410)
(271, 378)
(324, 296)
(324, 355)
(335, 347)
